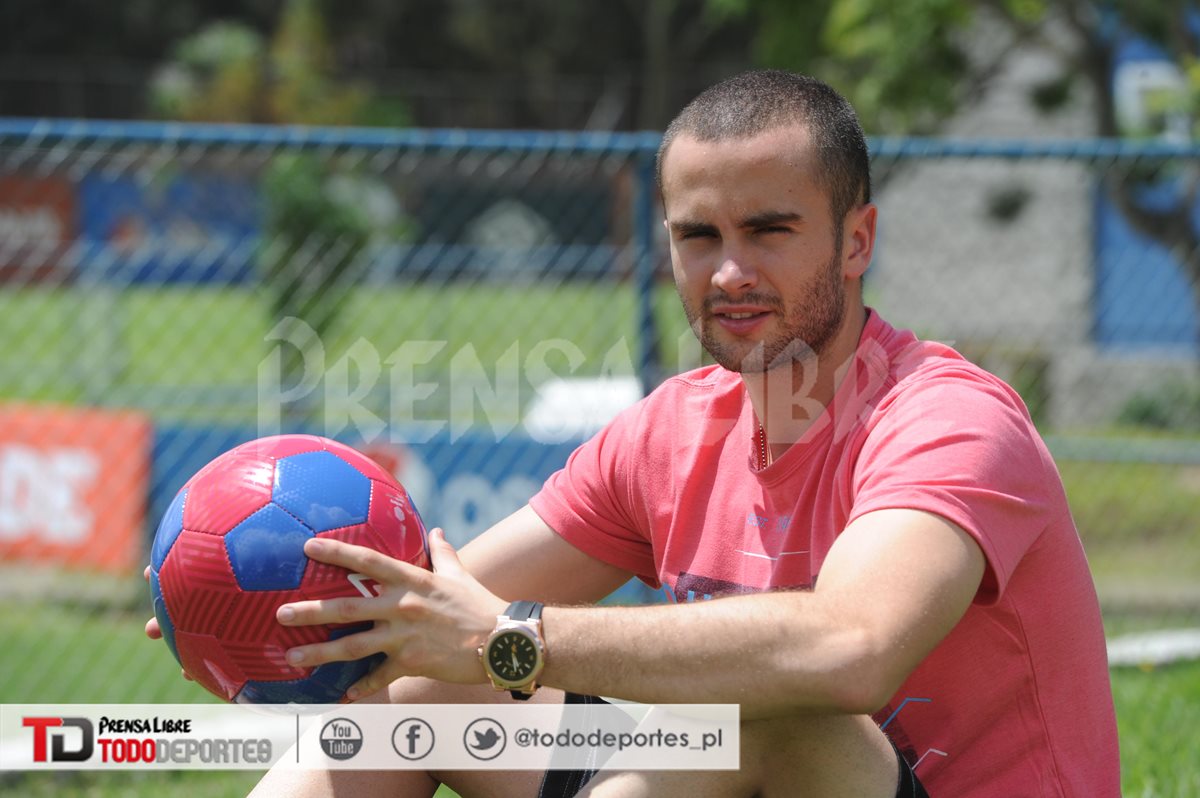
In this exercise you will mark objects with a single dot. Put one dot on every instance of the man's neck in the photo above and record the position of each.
(788, 401)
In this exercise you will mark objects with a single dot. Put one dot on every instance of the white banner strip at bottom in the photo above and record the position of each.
(513, 736)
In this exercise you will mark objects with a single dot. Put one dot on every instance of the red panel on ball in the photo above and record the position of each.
(197, 561)
(205, 659)
(266, 659)
(222, 496)
(253, 615)
(204, 609)
(276, 447)
(396, 524)
(321, 580)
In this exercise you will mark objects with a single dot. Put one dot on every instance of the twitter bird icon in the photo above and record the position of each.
(484, 738)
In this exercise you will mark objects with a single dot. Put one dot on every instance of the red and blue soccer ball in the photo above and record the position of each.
(229, 552)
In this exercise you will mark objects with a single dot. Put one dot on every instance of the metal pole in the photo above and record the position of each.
(643, 245)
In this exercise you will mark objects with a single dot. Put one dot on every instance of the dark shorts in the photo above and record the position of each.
(567, 783)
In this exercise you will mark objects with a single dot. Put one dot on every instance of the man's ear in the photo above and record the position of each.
(858, 240)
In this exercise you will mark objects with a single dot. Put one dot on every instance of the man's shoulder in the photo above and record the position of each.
(707, 383)
(702, 378)
(683, 404)
(910, 366)
(937, 368)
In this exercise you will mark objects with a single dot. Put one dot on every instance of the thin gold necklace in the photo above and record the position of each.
(764, 451)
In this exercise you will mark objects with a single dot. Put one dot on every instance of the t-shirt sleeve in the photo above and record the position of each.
(590, 501)
(961, 446)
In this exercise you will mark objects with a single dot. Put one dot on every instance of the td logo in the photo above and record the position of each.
(58, 746)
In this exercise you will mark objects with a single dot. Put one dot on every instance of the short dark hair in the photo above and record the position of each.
(755, 102)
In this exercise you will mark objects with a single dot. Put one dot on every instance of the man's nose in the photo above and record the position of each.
(736, 274)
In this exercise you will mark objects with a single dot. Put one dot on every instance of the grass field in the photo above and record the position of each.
(194, 354)
(103, 657)
(1140, 524)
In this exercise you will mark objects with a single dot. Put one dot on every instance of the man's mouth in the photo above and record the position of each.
(740, 321)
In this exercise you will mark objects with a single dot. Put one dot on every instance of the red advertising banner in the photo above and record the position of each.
(37, 227)
(73, 486)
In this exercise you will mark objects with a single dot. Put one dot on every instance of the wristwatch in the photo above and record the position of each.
(515, 651)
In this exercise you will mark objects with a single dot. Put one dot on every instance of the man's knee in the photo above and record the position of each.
(419, 690)
(482, 783)
(819, 755)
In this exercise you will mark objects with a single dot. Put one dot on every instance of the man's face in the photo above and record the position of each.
(752, 248)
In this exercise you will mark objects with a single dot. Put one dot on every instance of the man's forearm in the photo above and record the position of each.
(773, 653)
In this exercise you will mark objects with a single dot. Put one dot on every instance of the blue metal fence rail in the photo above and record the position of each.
(40, 131)
(44, 144)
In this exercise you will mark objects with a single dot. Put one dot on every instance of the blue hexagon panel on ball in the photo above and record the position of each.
(266, 551)
(322, 490)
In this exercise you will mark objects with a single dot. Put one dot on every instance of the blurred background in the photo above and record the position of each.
(430, 229)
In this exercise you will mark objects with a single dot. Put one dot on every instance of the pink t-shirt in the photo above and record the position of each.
(1015, 701)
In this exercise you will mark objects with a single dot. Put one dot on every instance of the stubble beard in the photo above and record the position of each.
(807, 329)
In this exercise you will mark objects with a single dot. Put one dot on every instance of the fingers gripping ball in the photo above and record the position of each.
(230, 550)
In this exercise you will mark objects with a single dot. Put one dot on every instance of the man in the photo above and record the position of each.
(899, 598)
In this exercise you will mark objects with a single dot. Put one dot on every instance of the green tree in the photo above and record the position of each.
(218, 74)
(316, 230)
(907, 66)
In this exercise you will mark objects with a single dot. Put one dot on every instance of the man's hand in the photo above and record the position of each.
(152, 629)
(518, 558)
(427, 623)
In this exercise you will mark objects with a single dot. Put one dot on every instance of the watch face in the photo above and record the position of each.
(513, 657)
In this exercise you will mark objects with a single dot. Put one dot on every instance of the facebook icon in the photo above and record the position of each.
(412, 739)
(414, 734)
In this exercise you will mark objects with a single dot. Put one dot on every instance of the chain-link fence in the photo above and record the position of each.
(467, 306)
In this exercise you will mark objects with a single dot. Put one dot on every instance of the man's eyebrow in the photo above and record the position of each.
(688, 226)
(685, 227)
(769, 218)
